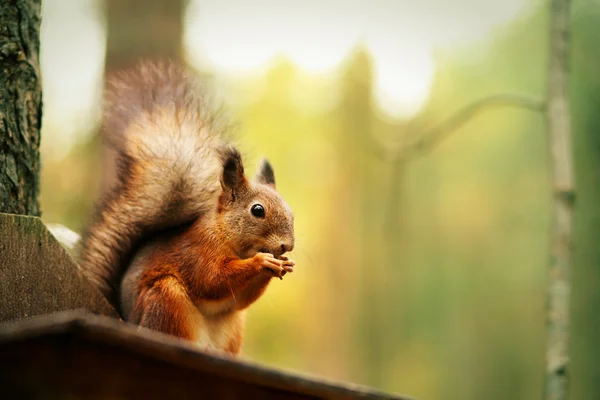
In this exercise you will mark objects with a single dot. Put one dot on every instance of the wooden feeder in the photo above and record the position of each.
(75, 347)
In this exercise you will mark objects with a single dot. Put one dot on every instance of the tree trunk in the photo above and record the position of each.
(20, 106)
(139, 30)
(561, 160)
(147, 29)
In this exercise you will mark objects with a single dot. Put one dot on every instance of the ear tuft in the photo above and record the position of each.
(265, 173)
(233, 169)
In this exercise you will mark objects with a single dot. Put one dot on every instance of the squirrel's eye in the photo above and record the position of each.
(258, 211)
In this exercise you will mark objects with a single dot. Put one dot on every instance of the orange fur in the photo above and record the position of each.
(164, 306)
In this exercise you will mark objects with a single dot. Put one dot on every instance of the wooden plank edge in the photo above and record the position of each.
(105, 330)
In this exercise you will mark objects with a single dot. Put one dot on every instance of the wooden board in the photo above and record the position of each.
(37, 275)
(75, 355)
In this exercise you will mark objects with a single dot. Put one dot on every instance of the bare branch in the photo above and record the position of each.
(429, 139)
(426, 140)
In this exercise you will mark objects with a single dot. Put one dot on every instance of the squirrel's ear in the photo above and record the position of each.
(265, 174)
(233, 179)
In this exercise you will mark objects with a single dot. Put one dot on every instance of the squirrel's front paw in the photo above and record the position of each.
(288, 265)
(274, 267)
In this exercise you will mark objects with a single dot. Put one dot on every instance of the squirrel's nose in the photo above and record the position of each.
(287, 246)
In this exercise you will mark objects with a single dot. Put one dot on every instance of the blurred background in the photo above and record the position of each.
(425, 278)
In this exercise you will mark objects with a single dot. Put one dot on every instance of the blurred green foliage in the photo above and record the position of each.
(440, 296)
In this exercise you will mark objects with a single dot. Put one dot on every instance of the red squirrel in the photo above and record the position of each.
(183, 242)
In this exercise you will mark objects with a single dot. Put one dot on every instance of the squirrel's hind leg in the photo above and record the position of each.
(166, 307)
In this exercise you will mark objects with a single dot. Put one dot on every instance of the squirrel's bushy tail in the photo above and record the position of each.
(168, 160)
